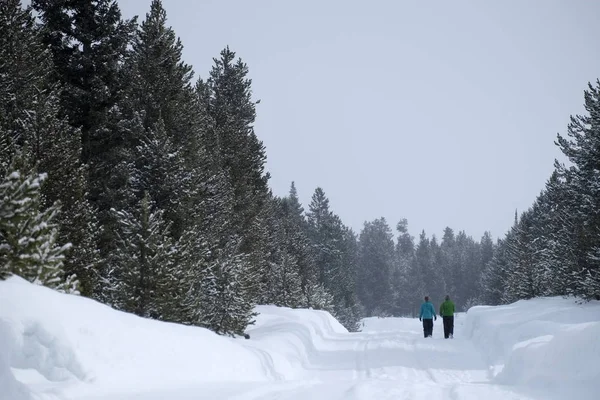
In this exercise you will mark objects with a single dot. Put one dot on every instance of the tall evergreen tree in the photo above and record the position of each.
(24, 66)
(144, 265)
(239, 152)
(229, 307)
(299, 245)
(406, 289)
(32, 126)
(582, 148)
(521, 277)
(376, 255)
(89, 42)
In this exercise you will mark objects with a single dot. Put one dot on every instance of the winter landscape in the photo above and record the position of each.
(150, 250)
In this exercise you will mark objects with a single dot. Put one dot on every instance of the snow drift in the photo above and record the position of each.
(70, 344)
(77, 341)
(542, 343)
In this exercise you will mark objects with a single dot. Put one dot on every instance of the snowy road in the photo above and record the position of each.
(385, 365)
(396, 364)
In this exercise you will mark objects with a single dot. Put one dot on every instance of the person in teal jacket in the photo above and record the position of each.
(427, 315)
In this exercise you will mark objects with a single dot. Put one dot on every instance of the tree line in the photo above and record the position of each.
(131, 182)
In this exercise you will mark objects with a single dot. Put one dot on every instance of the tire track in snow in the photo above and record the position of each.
(362, 370)
(267, 363)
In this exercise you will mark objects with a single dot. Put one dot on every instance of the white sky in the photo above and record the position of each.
(441, 112)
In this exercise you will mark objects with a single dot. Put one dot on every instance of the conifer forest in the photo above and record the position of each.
(126, 179)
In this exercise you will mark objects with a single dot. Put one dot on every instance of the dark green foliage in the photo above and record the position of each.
(28, 236)
(88, 41)
(238, 151)
(334, 251)
(143, 266)
(30, 125)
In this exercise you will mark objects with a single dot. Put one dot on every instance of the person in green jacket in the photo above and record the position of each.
(447, 313)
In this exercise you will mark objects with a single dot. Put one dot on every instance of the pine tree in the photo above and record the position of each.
(55, 149)
(162, 95)
(160, 170)
(560, 263)
(450, 263)
(46, 141)
(144, 265)
(334, 253)
(521, 274)
(376, 254)
(287, 284)
(438, 285)
(229, 308)
(161, 81)
(407, 289)
(299, 246)
(347, 308)
(321, 228)
(239, 152)
(582, 147)
(88, 41)
(24, 68)
(28, 236)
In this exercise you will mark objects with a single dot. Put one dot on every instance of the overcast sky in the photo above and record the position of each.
(441, 112)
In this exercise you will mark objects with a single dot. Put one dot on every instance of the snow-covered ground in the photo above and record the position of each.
(55, 346)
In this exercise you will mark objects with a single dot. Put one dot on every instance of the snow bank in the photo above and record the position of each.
(9, 387)
(74, 347)
(294, 340)
(62, 341)
(540, 342)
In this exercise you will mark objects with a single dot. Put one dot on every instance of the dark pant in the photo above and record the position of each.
(427, 327)
(448, 326)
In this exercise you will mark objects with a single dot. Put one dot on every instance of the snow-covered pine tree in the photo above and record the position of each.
(375, 265)
(520, 275)
(423, 266)
(406, 289)
(286, 289)
(473, 268)
(299, 246)
(28, 236)
(160, 171)
(162, 94)
(347, 306)
(47, 141)
(55, 147)
(321, 233)
(450, 262)
(228, 307)
(561, 264)
(24, 66)
(161, 81)
(487, 248)
(280, 282)
(239, 153)
(582, 148)
(89, 43)
(335, 265)
(143, 272)
(437, 288)
(493, 278)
